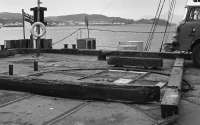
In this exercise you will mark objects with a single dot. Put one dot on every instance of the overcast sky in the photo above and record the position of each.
(133, 9)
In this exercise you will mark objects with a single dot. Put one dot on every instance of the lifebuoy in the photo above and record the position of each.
(42, 29)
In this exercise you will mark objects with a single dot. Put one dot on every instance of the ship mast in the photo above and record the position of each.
(38, 20)
(38, 11)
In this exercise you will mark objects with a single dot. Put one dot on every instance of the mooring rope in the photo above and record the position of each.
(71, 34)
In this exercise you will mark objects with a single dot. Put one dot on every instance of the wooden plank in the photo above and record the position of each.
(133, 61)
(122, 81)
(179, 62)
(81, 90)
(177, 74)
(140, 77)
(88, 76)
(140, 54)
(170, 102)
(172, 95)
(161, 84)
(168, 55)
(176, 78)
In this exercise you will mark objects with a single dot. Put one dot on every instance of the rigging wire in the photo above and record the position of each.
(149, 41)
(167, 36)
(155, 26)
(157, 11)
(169, 20)
(67, 36)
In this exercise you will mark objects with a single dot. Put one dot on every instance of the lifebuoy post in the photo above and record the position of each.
(41, 12)
(39, 22)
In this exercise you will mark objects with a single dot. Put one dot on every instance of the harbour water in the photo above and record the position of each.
(105, 39)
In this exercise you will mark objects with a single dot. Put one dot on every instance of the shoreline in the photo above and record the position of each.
(94, 25)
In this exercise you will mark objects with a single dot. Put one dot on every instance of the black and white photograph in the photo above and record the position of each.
(100, 62)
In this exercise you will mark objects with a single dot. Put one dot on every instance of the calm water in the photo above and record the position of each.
(105, 40)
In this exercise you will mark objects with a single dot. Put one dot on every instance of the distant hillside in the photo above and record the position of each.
(100, 19)
(6, 17)
(150, 21)
(15, 19)
(93, 19)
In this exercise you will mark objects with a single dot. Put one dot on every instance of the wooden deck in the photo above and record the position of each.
(82, 77)
(54, 69)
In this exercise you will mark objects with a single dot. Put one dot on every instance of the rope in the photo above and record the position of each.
(154, 28)
(154, 25)
(169, 20)
(66, 37)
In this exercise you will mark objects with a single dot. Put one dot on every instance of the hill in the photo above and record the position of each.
(10, 18)
(15, 19)
(150, 21)
(95, 19)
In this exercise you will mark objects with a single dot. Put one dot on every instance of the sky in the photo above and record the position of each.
(132, 9)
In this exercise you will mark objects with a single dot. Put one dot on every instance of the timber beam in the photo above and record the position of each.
(135, 61)
(81, 90)
(168, 55)
(172, 95)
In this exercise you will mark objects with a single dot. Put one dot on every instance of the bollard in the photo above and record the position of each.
(66, 46)
(2, 47)
(10, 69)
(35, 65)
(102, 57)
(73, 46)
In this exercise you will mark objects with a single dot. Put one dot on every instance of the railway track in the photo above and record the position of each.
(16, 100)
(66, 114)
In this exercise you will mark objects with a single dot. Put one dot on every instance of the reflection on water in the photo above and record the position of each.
(105, 40)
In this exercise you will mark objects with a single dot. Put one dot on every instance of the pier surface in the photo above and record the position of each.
(23, 108)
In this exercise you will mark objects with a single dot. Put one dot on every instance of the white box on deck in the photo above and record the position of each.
(131, 46)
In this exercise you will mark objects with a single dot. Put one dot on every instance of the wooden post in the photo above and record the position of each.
(65, 46)
(35, 65)
(10, 69)
(101, 56)
(73, 46)
(172, 95)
